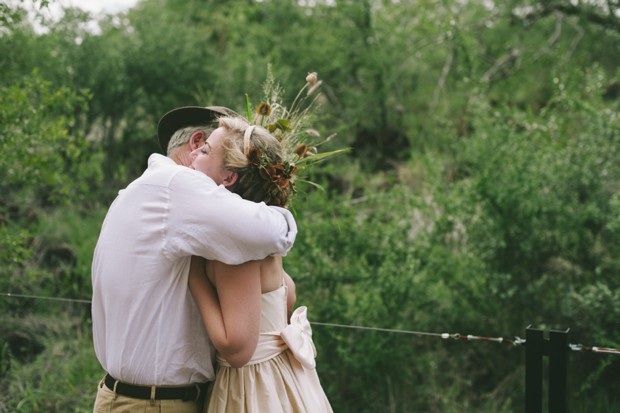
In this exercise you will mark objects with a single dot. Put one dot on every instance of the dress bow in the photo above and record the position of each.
(298, 337)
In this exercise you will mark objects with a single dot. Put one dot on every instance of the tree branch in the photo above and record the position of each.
(609, 20)
(499, 64)
(442, 79)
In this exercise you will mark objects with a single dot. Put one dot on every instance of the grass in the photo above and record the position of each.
(62, 378)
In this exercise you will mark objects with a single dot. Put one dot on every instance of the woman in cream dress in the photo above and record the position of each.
(266, 357)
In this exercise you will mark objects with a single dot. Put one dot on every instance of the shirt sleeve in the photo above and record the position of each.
(209, 221)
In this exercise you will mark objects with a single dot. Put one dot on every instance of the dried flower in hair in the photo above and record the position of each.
(268, 172)
(312, 78)
(254, 157)
(302, 150)
(263, 109)
(279, 172)
(290, 125)
(284, 182)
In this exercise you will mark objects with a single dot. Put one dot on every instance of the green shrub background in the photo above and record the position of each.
(481, 195)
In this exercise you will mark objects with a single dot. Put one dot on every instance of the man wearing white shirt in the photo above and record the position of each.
(147, 333)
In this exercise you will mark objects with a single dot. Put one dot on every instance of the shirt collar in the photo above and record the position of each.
(156, 160)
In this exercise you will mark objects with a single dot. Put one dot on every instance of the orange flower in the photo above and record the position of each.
(283, 182)
(280, 171)
(267, 172)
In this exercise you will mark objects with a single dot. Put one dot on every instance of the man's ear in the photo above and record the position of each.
(197, 139)
(230, 179)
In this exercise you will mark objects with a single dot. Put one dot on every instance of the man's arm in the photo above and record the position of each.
(214, 223)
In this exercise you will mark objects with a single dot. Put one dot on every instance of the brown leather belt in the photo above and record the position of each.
(185, 393)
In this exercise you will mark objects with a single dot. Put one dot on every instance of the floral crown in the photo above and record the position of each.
(292, 127)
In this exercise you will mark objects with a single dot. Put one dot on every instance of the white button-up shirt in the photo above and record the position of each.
(146, 328)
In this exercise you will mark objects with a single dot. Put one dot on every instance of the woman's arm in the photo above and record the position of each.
(232, 314)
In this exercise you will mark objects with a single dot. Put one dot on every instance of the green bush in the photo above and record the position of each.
(496, 130)
(48, 165)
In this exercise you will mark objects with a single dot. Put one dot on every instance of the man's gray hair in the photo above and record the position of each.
(181, 136)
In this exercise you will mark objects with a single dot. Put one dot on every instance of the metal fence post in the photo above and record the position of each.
(533, 370)
(558, 371)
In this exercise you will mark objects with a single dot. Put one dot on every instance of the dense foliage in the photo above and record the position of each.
(482, 194)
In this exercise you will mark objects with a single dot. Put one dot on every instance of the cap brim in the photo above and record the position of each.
(187, 116)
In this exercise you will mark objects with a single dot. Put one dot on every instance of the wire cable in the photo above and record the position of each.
(38, 297)
(516, 341)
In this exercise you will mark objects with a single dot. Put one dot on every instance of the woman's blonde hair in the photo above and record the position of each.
(252, 183)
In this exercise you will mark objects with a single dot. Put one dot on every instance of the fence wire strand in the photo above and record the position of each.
(516, 341)
(38, 297)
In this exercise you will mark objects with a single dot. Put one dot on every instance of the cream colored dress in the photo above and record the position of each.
(281, 376)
